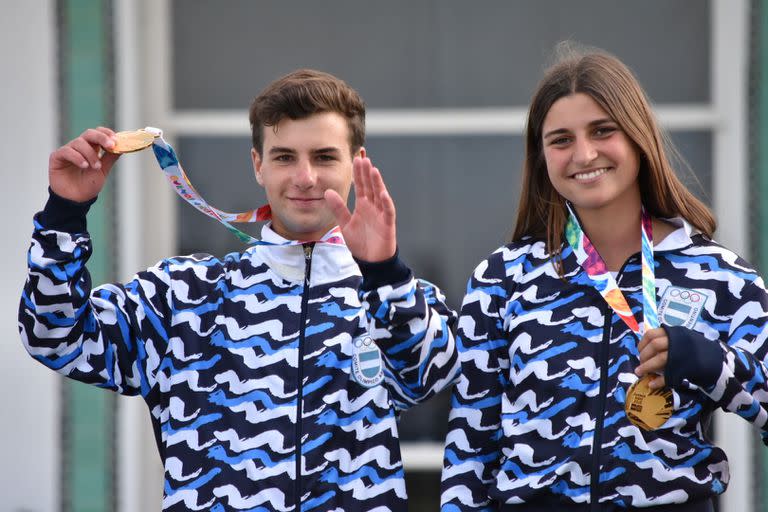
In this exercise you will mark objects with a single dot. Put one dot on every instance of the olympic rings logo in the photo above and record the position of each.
(686, 295)
(363, 341)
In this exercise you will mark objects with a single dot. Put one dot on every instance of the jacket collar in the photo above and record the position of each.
(680, 238)
(330, 262)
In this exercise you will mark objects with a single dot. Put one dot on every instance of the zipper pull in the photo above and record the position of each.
(308, 248)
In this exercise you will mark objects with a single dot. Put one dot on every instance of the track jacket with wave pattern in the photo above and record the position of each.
(264, 388)
(538, 411)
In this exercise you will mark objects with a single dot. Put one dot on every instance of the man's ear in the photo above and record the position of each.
(256, 159)
(360, 152)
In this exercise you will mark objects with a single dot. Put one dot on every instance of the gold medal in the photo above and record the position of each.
(648, 408)
(128, 142)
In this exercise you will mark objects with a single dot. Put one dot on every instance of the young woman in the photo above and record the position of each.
(555, 328)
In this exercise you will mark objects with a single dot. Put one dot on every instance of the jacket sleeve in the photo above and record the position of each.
(730, 370)
(113, 336)
(412, 326)
(472, 449)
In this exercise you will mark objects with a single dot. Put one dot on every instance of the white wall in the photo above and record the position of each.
(29, 393)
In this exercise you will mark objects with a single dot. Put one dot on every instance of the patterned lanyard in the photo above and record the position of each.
(603, 281)
(169, 163)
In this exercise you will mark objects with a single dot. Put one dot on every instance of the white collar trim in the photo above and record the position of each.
(679, 238)
(330, 262)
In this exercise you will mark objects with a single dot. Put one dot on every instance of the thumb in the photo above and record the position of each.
(107, 161)
(338, 207)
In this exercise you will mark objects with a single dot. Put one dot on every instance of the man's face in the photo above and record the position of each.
(300, 161)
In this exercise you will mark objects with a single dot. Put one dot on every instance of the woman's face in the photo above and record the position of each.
(590, 160)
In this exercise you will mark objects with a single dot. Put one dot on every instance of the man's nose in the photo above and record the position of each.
(305, 175)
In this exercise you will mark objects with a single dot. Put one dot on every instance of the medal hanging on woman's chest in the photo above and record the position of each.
(648, 409)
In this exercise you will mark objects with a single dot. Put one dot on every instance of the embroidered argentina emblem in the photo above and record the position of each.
(367, 367)
(681, 306)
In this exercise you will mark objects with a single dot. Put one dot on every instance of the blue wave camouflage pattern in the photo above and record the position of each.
(538, 411)
(237, 387)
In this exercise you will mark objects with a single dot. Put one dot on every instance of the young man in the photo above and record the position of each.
(274, 377)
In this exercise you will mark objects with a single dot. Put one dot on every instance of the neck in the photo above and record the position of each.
(614, 231)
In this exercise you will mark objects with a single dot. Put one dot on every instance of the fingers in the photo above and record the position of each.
(658, 382)
(369, 186)
(89, 153)
(654, 352)
(651, 346)
(67, 155)
(383, 201)
(649, 336)
(654, 364)
(338, 207)
(361, 169)
(108, 160)
(83, 152)
(98, 137)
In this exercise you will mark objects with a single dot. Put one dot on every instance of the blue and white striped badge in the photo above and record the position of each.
(367, 366)
(681, 306)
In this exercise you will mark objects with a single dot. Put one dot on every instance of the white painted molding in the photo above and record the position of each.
(467, 121)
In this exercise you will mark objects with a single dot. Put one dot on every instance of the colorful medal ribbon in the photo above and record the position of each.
(646, 408)
(603, 281)
(169, 163)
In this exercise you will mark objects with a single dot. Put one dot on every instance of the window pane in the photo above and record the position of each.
(695, 169)
(456, 199)
(435, 53)
(220, 170)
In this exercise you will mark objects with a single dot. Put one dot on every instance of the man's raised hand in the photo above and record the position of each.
(77, 171)
(370, 231)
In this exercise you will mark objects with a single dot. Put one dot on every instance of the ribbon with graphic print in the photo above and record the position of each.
(593, 264)
(169, 163)
(646, 408)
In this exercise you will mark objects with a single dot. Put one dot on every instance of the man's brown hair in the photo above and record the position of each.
(301, 94)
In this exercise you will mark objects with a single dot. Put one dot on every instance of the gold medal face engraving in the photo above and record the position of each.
(128, 142)
(648, 408)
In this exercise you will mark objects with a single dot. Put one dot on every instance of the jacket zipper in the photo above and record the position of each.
(597, 444)
(300, 370)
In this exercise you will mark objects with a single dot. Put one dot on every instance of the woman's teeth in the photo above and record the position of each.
(590, 175)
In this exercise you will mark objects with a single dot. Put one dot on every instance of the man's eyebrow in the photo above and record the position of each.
(281, 149)
(329, 149)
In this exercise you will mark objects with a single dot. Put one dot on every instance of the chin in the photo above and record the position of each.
(590, 205)
(306, 231)
(594, 202)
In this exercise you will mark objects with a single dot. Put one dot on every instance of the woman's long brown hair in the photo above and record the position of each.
(542, 212)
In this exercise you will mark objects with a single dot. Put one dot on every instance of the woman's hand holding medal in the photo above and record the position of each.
(654, 352)
(649, 403)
